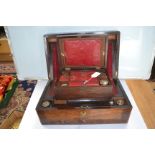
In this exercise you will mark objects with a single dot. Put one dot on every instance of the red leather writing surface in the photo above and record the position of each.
(83, 52)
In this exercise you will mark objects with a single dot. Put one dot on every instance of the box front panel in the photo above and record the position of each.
(84, 116)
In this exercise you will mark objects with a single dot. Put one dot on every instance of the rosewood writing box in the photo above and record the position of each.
(72, 95)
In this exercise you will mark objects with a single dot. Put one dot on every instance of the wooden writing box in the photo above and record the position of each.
(71, 95)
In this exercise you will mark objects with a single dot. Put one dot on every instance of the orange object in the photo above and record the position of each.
(6, 82)
(1, 98)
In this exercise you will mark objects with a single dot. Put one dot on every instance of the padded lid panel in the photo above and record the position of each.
(82, 52)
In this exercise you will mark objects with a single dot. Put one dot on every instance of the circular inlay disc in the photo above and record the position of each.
(120, 102)
(104, 82)
(45, 104)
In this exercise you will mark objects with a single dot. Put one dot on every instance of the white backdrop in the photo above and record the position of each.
(137, 49)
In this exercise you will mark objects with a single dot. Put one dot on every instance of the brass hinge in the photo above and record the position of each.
(98, 68)
(67, 69)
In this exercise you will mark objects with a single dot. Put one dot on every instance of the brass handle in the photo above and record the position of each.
(83, 113)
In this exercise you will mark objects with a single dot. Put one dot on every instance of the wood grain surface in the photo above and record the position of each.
(83, 116)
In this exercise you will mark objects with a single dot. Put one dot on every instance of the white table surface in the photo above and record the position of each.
(31, 121)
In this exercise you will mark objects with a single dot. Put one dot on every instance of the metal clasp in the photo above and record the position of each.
(67, 69)
(83, 113)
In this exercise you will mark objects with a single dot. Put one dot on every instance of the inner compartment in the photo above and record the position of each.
(76, 78)
(76, 59)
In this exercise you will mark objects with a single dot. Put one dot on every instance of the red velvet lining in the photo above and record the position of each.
(77, 78)
(75, 83)
(64, 77)
(82, 53)
(86, 52)
(92, 82)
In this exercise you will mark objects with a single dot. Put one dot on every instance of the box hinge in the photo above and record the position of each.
(67, 69)
(98, 68)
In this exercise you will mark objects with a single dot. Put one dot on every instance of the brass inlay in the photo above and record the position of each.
(120, 102)
(45, 104)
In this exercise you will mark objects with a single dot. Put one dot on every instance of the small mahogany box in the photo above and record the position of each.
(73, 95)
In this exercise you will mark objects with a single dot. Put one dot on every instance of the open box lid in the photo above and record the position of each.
(83, 52)
(97, 50)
